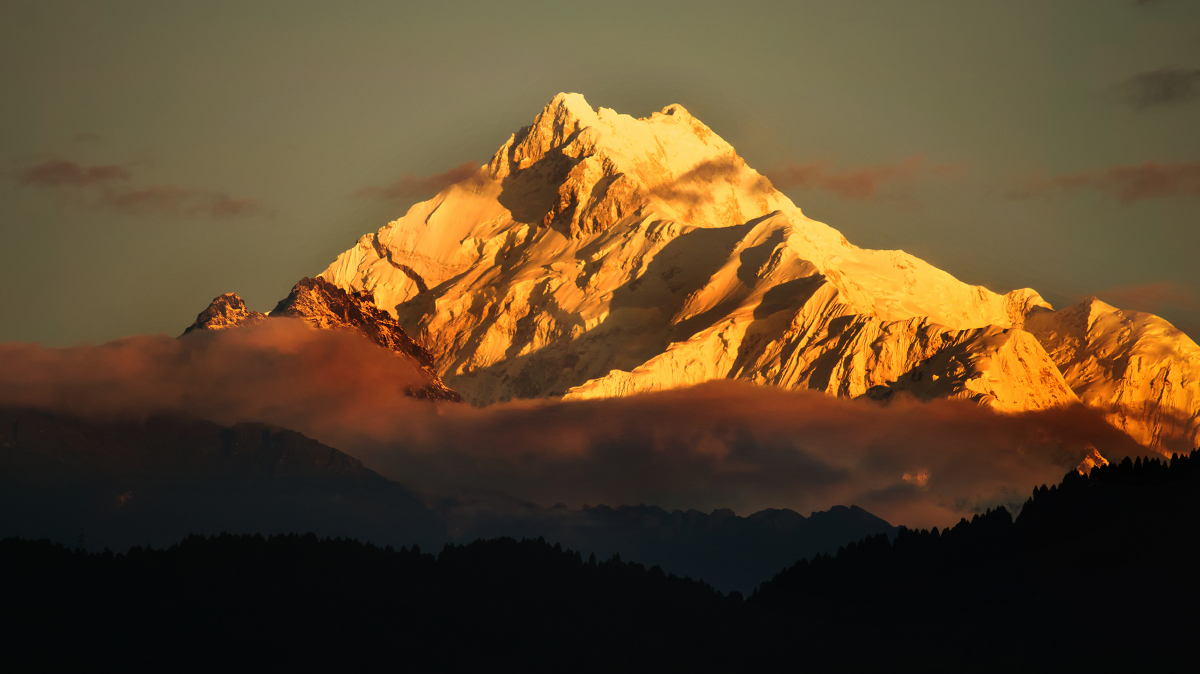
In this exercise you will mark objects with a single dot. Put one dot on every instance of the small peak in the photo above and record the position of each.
(1093, 304)
(231, 299)
(573, 103)
(676, 110)
(1091, 460)
(225, 311)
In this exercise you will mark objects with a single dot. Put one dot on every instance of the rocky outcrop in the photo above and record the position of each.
(328, 307)
(597, 255)
(225, 311)
(1091, 460)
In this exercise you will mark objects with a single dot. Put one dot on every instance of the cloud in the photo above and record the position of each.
(1152, 297)
(690, 188)
(62, 173)
(410, 187)
(1161, 88)
(722, 444)
(282, 370)
(97, 187)
(174, 200)
(1123, 183)
(860, 183)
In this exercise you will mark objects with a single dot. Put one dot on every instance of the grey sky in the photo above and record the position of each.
(235, 134)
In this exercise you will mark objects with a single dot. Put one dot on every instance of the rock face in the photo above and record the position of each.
(599, 255)
(226, 311)
(328, 307)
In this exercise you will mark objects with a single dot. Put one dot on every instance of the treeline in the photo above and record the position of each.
(1096, 567)
(296, 600)
(1094, 570)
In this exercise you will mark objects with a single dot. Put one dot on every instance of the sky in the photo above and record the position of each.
(154, 155)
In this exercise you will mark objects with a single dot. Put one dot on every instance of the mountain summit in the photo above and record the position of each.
(598, 255)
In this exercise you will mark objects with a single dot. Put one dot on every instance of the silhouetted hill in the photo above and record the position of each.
(728, 551)
(154, 481)
(1096, 566)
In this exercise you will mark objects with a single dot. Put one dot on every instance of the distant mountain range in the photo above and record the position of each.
(117, 484)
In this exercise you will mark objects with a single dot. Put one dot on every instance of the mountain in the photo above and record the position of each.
(725, 550)
(328, 307)
(601, 255)
(153, 481)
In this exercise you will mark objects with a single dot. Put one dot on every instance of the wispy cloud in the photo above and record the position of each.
(176, 200)
(410, 186)
(1161, 88)
(104, 187)
(864, 182)
(1124, 183)
(62, 173)
(1152, 297)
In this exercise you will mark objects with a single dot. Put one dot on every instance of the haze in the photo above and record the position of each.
(155, 155)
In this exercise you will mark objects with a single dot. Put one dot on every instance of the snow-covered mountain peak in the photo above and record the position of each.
(598, 254)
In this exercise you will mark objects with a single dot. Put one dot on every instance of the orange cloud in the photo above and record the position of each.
(410, 186)
(860, 183)
(722, 444)
(94, 187)
(1124, 183)
(1152, 297)
(175, 200)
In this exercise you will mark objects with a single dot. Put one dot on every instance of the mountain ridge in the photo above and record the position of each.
(597, 255)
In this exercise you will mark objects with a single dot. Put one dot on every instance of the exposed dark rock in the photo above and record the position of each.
(226, 311)
(328, 307)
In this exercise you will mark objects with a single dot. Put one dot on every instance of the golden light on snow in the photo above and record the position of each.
(598, 255)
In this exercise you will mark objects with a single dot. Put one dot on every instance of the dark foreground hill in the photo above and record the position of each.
(1095, 571)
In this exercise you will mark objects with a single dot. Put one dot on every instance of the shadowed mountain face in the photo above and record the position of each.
(328, 307)
(151, 482)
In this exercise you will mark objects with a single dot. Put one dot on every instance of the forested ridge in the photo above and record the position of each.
(1094, 569)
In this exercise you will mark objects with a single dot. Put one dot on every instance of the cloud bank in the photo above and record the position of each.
(723, 444)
